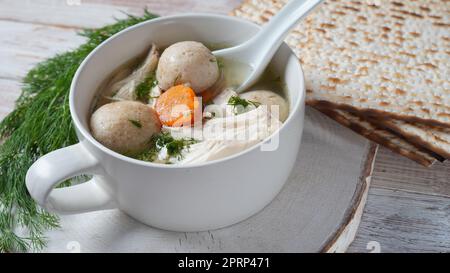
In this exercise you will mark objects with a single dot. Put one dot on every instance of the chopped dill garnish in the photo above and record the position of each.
(143, 89)
(135, 123)
(176, 80)
(40, 124)
(220, 63)
(114, 94)
(241, 104)
(149, 156)
(173, 146)
(166, 140)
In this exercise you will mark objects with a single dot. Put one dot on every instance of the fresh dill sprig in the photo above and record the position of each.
(240, 105)
(220, 63)
(136, 123)
(40, 124)
(143, 89)
(166, 140)
(175, 81)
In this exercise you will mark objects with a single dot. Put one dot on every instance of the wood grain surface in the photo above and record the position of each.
(408, 207)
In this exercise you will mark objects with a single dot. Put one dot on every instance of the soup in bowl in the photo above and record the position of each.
(180, 107)
(165, 136)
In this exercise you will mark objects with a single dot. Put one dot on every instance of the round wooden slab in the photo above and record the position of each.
(318, 210)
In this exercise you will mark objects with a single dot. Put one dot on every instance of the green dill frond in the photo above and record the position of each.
(40, 123)
(166, 140)
(241, 104)
(174, 146)
(220, 63)
(143, 89)
(136, 123)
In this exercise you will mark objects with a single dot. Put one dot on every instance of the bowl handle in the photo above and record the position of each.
(54, 168)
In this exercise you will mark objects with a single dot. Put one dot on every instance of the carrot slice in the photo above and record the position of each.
(176, 106)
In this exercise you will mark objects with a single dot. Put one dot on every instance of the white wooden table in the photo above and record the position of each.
(408, 207)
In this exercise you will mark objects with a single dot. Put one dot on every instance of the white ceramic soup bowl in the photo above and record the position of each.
(179, 198)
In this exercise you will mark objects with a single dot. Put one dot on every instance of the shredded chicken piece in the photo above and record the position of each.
(125, 89)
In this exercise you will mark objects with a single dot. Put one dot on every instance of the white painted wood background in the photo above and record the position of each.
(408, 207)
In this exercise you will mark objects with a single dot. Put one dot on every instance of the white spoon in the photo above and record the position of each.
(259, 50)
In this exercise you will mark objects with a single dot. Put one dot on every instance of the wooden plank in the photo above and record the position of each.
(94, 13)
(23, 45)
(342, 239)
(399, 221)
(61, 14)
(175, 6)
(57, 23)
(398, 173)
